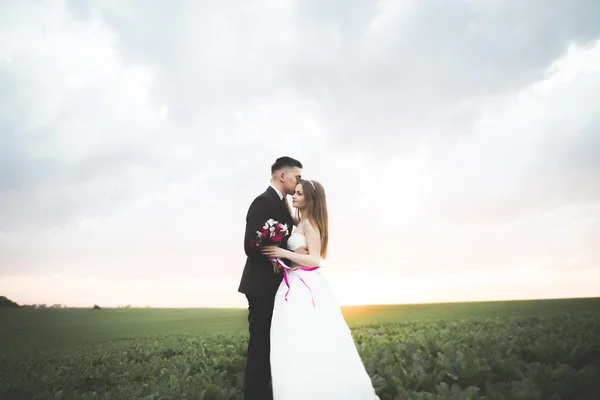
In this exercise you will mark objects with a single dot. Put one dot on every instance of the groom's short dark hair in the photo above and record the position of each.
(285, 162)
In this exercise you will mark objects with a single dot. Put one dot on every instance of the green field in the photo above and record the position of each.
(544, 349)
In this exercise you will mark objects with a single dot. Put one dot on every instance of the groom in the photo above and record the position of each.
(259, 282)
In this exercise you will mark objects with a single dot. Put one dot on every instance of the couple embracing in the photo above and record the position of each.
(299, 341)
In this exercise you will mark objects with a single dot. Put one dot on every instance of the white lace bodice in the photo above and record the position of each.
(295, 241)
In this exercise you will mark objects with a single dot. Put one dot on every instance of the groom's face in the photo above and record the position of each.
(291, 178)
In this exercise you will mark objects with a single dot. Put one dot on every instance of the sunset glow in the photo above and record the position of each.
(464, 171)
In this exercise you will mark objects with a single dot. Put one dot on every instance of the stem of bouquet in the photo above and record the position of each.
(276, 268)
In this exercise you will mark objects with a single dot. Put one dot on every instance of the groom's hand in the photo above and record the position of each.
(301, 250)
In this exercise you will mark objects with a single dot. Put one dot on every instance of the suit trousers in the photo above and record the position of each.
(257, 376)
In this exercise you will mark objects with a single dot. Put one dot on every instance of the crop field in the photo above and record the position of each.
(543, 349)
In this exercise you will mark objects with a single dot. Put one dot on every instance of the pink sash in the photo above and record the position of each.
(285, 268)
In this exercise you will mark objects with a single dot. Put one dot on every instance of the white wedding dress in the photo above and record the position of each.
(313, 355)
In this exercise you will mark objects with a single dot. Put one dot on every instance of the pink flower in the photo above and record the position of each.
(277, 238)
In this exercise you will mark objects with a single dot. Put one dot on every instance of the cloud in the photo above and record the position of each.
(449, 138)
(402, 72)
(536, 151)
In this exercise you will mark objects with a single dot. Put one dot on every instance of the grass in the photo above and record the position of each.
(529, 350)
(23, 330)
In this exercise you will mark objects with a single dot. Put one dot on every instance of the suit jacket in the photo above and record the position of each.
(258, 277)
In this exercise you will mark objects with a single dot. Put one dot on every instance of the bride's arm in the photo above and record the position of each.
(312, 259)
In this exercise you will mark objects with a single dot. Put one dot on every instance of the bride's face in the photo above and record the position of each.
(298, 200)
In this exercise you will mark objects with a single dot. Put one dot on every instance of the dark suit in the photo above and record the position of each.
(260, 283)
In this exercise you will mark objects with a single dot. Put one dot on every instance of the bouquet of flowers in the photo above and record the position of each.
(273, 232)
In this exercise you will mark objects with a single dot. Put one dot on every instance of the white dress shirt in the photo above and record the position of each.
(278, 192)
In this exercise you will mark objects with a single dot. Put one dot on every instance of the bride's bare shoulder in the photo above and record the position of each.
(302, 226)
(309, 228)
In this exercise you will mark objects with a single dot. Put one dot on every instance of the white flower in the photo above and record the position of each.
(270, 221)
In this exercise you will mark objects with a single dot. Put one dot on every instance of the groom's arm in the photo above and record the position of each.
(258, 214)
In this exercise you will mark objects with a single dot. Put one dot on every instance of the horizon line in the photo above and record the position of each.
(343, 306)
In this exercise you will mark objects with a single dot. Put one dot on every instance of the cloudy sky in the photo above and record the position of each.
(458, 141)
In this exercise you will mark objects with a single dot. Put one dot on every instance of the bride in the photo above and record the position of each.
(313, 355)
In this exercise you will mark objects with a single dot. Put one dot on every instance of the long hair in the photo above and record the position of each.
(316, 210)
